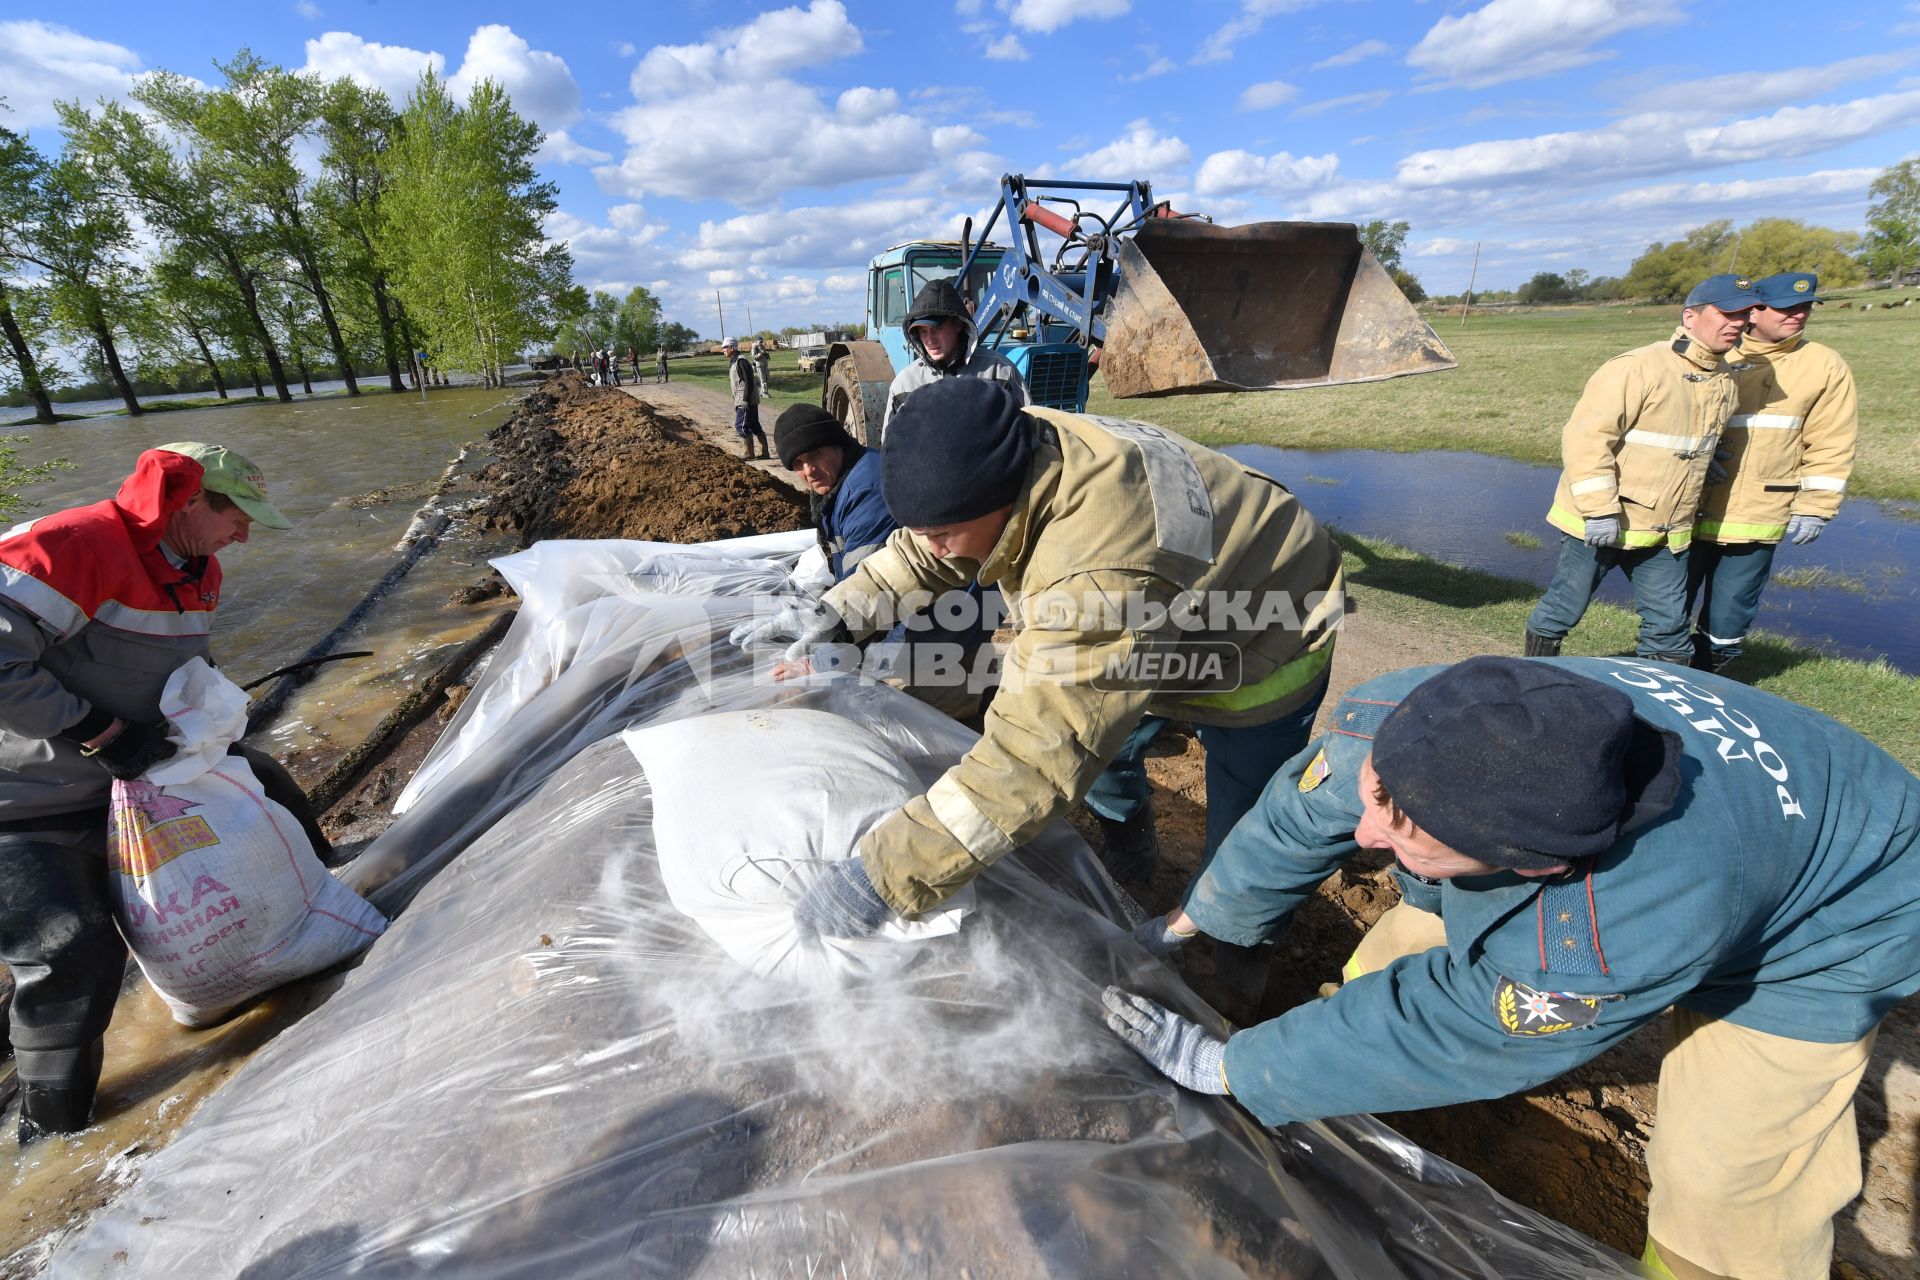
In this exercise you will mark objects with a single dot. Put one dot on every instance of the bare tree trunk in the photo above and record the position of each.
(303, 254)
(251, 298)
(258, 390)
(29, 369)
(406, 336)
(206, 356)
(387, 339)
(108, 353)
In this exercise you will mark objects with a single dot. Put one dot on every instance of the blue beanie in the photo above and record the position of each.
(1524, 764)
(955, 450)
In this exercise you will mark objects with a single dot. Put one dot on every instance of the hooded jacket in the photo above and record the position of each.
(93, 618)
(1789, 448)
(853, 518)
(1145, 575)
(1639, 441)
(939, 299)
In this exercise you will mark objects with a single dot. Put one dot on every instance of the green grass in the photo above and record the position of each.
(1431, 597)
(789, 385)
(1522, 539)
(1519, 376)
(1811, 576)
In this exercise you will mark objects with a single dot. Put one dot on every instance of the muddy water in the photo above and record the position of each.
(1855, 593)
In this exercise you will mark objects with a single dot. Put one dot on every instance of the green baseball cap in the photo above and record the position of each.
(232, 476)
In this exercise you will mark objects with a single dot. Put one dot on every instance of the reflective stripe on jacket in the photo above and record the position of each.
(1639, 441)
(1790, 445)
(1781, 893)
(1116, 521)
(93, 616)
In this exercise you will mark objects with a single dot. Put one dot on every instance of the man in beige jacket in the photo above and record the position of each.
(1787, 454)
(1636, 454)
(1144, 574)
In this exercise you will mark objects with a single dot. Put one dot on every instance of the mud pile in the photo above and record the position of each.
(578, 461)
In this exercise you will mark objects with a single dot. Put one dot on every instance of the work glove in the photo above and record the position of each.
(1603, 531)
(1717, 467)
(841, 903)
(134, 750)
(801, 623)
(1804, 529)
(1159, 937)
(1183, 1051)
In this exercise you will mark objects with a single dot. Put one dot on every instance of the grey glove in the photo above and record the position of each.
(841, 903)
(1603, 531)
(1159, 937)
(1183, 1051)
(807, 623)
(134, 750)
(1804, 529)
(1717, 467)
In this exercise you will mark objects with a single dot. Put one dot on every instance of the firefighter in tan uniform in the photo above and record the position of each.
(1636, 453)
(1784, 464)
(1144, 574)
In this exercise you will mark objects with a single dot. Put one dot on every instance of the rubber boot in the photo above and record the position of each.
(49, 1108)
(1130, 850)
(1539, 646)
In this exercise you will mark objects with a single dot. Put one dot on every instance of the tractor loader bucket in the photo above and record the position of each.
(1268, 305)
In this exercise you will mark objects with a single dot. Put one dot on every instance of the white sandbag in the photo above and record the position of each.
(217, 889)
(750, 806)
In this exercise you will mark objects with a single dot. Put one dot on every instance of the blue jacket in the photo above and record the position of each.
(854, 520)
(1781, 893)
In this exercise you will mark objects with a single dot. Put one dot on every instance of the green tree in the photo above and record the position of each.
(1388, 241)
(461, 236)
(675, 336)
(638, 322)
(1892, 245)
(1771, 245)
(358, 128)
(181, 192)
(1667, 271)
(21, 168)
(1546, 286)
(80, 238)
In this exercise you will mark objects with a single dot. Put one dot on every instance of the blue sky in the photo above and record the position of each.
(769, 151)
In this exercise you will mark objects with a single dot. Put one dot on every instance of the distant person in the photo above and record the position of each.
(1636, 453)
(660, 363)
(1783, 464)
(763, 363)
(940, 334)
(98, 605)
(745, 385)
(1585, 846)
(633, 362)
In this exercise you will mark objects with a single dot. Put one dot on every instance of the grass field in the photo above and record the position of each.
(1520, 374)
(1415, 591)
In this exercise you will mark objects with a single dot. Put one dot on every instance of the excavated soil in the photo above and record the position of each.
(578, 461)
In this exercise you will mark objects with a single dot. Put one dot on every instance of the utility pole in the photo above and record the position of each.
(1733, 257)
(723, 315)
(1472, 280)
(749, 321)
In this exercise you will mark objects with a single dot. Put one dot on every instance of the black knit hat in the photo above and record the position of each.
(956, 450)
(1524, 764)
(802, 427)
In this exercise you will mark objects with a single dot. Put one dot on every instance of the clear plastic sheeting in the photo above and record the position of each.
(544, 1068)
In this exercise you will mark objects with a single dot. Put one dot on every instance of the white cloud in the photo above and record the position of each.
(47, 64)
(1007, 49)
(626, 48)
(1267, 95)
(308, 10)
(863, 105)
(827, 237)
(1439, 247)
(562, 149)
(1797, 189)
(1655, 143)
(1158, 67)
(955, 137)
(1051, 15)
(771, 45)
(1519, 39)
(392, 69)
(1237, 172)
(1140, 153)
(1784, 85)
(538, 82)
(1358, 53)
(1372, 100)
(1218, 47)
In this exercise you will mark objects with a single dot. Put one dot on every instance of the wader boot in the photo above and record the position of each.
(61, 1108)
(1129, 850)
(1542, 646)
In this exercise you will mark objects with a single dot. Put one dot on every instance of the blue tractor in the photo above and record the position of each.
(1161, 303)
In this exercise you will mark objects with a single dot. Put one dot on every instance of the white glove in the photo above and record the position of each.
(801, 623)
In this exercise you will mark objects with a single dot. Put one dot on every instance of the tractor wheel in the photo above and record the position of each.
(848, 406)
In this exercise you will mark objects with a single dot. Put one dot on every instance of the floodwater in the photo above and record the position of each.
(350, 474)
(17, 415)
(1460, 507)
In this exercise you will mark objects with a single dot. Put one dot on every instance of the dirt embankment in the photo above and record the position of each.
(578, 461)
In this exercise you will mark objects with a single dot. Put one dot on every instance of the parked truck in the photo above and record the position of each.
(1161, 302)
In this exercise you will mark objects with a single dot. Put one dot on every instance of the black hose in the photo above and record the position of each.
(304, 664)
